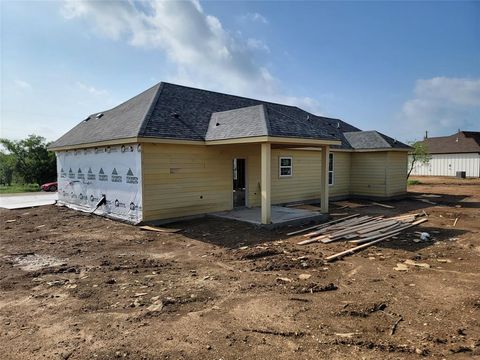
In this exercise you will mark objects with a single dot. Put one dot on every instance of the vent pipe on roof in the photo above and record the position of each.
(338, 125)
(426, 135)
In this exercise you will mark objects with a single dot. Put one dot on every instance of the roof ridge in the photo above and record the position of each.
(382, 136)
(318, 116)
(267, 119)
(124, 102)
(237, 96)
(236, 109)
(149, 111)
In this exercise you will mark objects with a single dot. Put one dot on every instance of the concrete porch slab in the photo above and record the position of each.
(281, 216)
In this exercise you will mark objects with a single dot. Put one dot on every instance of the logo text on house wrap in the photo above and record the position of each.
(115, 176)
(102, 176)
(90, 174)
(131, 178)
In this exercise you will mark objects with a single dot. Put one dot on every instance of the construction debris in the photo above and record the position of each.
(383, 205)
(401, 267)
(304, 276)
(455, 222)
(158, 229)
(362, 229)
(276, 332)
(315, 288)
(424, 236)
(320, 226)
(395, 325)
(425, 201)
(414, 263)
(366, 230)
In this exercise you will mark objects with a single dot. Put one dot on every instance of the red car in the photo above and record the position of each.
(52, 186)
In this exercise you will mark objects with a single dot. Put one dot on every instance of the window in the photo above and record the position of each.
(285, 167)
(330, 169)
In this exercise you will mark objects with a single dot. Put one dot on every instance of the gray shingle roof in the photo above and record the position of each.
(172, 111)
(364, 140)
(238, 123)
(123, 121)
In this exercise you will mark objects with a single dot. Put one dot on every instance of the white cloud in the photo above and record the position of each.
(22, 84)
(257, 44)
(254, 17)
(442, 105)
(205, 54)
(91, 89)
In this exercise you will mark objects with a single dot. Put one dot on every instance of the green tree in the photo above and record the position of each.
(418, 155)
(7, 168)
(32, 161)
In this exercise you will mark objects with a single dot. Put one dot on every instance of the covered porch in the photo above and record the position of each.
(266, 214)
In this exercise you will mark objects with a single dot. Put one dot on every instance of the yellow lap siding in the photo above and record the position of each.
(304, 184)
(397, 173)
(368, 174)
(183, 180)
(341, 174)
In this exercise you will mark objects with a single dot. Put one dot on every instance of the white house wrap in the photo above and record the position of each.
(85, 175)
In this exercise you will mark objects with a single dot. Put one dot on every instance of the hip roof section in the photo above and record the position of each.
(169, 111)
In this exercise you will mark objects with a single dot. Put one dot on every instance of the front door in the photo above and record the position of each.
(239, 183)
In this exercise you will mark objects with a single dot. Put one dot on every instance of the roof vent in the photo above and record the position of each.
(88, 118)
(308, 117)
(217, 124)
(99, 115)
(176, 115)
(338, 125)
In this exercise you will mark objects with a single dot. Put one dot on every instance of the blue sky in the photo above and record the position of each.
(397, 67)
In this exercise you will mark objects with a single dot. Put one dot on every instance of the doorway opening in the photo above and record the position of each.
(239, 183)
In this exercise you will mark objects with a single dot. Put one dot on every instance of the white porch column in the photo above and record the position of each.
(324, 177)
(266, 179)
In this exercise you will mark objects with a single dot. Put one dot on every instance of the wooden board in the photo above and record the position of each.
(157, 229)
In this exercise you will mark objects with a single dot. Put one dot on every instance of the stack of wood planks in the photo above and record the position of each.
(366, 230)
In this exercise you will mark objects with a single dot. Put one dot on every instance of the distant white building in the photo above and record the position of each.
(449, 154)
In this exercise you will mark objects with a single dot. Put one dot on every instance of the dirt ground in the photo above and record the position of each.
(78, 286)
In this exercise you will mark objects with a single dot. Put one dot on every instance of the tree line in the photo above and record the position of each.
(27, 161)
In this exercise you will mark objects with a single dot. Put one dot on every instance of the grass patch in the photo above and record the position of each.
(414, 182)
(18, 188)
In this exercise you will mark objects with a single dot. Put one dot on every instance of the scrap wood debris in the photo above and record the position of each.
(277, 332)
(383, 205)
(365, 230)
(425, 201)
(158, 229)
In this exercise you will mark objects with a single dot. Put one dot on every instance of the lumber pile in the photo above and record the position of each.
(365, 230)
